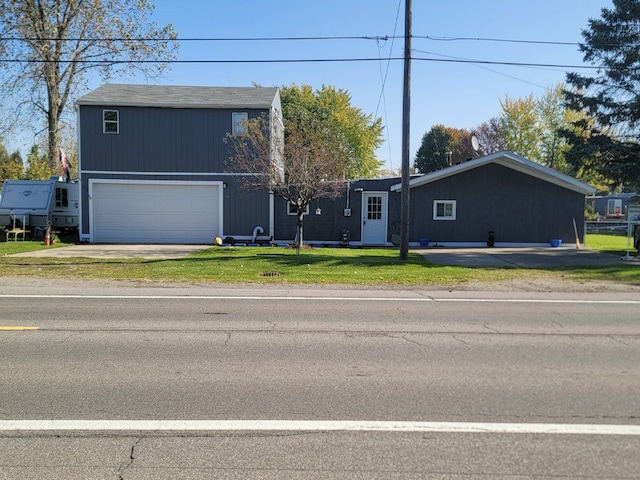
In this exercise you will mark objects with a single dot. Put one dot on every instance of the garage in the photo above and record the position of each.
(154, 212)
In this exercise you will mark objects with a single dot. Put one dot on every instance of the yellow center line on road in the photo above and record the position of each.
(12, 328)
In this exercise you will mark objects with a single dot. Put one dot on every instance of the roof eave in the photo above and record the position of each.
(508, 160)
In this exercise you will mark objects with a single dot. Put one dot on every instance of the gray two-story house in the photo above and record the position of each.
(153, 163)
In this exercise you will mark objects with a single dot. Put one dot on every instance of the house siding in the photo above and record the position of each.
(163, 144)
(519, 208)
(327, 227)
(157, 140)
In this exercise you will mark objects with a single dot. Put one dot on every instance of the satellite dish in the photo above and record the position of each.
(474, 143)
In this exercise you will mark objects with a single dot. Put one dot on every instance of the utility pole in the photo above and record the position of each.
(406, 123)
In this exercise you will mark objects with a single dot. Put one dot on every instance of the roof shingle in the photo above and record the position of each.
(171, 96)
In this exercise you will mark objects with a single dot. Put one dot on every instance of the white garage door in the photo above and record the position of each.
(155, 212)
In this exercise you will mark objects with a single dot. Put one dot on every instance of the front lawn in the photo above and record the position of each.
(279, 265)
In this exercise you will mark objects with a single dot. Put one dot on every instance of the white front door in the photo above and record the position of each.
(374, 218)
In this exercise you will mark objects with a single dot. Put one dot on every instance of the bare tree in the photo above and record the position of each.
(308, 165)
(50, 46)
(490, 136)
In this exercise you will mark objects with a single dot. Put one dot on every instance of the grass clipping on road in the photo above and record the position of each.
(278, 266)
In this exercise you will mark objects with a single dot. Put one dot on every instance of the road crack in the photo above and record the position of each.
(455, 337)
(132, 456)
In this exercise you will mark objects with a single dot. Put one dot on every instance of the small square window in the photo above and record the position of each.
(239, 122)
(444, 209)
(292, 209)
(110, 121)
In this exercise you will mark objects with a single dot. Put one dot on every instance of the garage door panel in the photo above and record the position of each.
(155, 213)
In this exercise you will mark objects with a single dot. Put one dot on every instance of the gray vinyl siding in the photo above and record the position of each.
(519, 208)
(157, 139)
(327, 227)
(244, 209)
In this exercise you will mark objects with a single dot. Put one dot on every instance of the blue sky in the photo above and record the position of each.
(454, 94)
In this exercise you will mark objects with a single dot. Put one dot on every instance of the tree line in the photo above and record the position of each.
(36, 167)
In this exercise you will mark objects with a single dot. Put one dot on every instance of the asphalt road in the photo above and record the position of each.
(304, 383)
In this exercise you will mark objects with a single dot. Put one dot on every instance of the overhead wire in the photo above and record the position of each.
(484, 68)
(382, 98)
(307, 60)
(310, 38)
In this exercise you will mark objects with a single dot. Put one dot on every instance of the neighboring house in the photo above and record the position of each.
(522, 202)
(153, 163)
(612, 207)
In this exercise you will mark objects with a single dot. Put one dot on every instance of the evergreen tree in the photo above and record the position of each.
(609, 146)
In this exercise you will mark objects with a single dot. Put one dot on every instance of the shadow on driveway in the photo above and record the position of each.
(537, 257)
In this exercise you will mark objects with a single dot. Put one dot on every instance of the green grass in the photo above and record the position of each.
(322, 266)
(609, 243)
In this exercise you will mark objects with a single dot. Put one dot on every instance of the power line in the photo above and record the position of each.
(302, 39)
(500, 40)
(309, 60)
(484, 68)
(203, 39)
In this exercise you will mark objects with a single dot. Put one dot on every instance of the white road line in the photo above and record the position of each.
(312, 425)
(332, 299)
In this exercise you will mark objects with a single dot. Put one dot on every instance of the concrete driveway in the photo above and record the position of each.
(527, 257)
(93, 250)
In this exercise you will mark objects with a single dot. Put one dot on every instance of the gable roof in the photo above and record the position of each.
(509, 160)
(172, 96)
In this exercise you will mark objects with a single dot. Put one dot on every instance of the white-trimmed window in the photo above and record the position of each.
(239, 122)
(110, 121)
(444, 209)
(292, 209)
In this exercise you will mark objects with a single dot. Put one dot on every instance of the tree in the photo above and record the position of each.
(432, 154)
(55, 44)
(11, 167)
(37, 165)
(355, 133)
(520, 126)
(307, 166)
(490, 136)
(611, 96)
(442, 145)
(461, 147)
(555, 118)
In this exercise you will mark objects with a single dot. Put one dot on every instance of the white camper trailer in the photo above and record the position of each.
(40, 203)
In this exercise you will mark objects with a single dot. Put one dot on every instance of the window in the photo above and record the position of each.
(374, 208)
(292, 209)
(62, 199)
(614, 206)
(110, 121)
(238, 120)
(444, 209)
